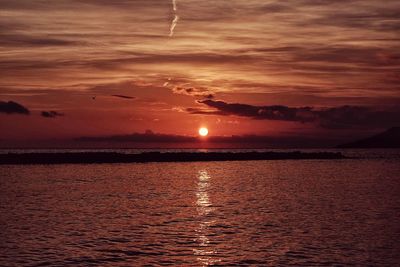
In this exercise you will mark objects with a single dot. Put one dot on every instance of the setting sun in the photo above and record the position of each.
(203, 131)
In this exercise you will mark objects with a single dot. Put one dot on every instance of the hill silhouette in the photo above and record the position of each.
(388, 139)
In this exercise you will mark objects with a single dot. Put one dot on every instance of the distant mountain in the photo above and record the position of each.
(388, 139)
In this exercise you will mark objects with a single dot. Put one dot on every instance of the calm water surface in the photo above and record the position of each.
(321, 212)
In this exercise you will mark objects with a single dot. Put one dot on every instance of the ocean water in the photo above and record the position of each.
(260, 213)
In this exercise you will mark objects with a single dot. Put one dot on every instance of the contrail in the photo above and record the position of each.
(173, 25)
(175, 20)
(174, 5)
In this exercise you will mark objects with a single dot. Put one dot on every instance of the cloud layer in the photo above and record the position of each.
(336, 117)
(341, 47)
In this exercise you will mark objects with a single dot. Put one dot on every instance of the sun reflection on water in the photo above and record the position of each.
(205, 253)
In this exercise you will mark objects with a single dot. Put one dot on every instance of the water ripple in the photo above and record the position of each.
(282, 213)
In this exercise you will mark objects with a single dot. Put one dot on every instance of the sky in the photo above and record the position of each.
(289, 68)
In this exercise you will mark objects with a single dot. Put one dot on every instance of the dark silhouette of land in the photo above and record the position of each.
(387, 139)
(152, 139)
(111, 157)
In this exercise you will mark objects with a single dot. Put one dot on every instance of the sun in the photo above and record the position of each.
(203, 131)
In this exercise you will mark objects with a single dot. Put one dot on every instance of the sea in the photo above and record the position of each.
(342, 212)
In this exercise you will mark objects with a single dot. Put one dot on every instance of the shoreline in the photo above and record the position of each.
(147, 157)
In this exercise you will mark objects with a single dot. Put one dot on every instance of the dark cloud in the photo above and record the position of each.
(12, 107)
(191, 91)
(51, 114)
(283, 113)
(124, 96)
(336, 117)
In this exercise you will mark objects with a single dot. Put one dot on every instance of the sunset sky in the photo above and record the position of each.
(292, 68)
